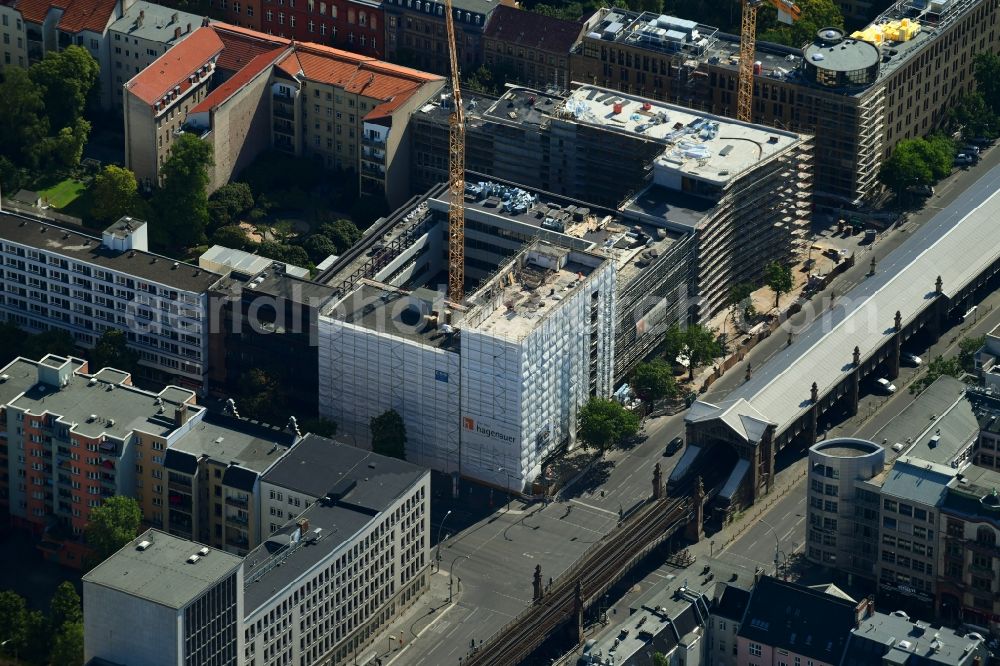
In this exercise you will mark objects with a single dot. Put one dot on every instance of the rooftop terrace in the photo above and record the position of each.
(233, 441)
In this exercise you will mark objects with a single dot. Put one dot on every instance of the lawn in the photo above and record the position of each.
(63, 193)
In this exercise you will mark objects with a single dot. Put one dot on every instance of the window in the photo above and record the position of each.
(755, 650)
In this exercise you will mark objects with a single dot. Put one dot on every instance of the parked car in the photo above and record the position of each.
(981, 141)
(885, 386)
(911, 359)
(970, 150)
(922, 190)
(674, 446)
(962, 160)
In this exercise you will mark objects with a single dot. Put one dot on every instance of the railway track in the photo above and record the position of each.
(595, 572)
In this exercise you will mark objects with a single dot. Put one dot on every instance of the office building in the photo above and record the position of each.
(842, 518)
(529, 48)
(968, 561)
(211, 486)
(859, 99)
(357, 107)
(742, 191)
(144, 32)
(73, 438)
(535, 341)
(415, 33)
(164, 601)
(55, 277)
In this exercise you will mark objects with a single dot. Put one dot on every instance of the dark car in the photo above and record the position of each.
(674, 446)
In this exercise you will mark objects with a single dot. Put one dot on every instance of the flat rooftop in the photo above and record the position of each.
(515, 301)
(916, 480)
(392, 311)
(88, 249)
(118, 409)
(523, 105)
(847, 448)
(161, 572)
(145, 20)
(233, 441)
(878, 640)
(676, 209)
(699, 145)
(937, 426)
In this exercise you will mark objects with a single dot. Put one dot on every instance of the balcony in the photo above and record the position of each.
(284, 127)
(284, 111)
(237, 502)
(372, 142)
(179, 486)
(237, 520)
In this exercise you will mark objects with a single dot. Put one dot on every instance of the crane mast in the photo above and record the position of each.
(456, 173)
(788, 12)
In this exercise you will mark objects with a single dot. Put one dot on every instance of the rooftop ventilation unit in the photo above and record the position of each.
(144, 544)
(203, 551)
(194, 558)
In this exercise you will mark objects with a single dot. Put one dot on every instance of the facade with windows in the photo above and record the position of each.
(352, 25)
(13, 39)
(415, 33)
(56, 278)
(529, 48)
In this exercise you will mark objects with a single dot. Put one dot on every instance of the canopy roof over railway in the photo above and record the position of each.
(958, 244)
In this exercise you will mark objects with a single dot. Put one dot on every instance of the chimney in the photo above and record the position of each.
(857, 357)
(303, 527)
(204, 22)
(938, 285)
(188, 29)
(177, 32)
(181, 415)
(897, 321)
(814, 393)
(173, 17)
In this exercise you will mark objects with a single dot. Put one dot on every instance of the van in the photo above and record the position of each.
(885, 386)
(870, 235)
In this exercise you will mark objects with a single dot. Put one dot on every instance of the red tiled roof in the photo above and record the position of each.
(243, 77)
(175, 66)
(78, 15)
(243, 45)
(544, 33)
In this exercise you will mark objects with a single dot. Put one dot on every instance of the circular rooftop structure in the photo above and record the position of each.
(833, 61)
(846, 447)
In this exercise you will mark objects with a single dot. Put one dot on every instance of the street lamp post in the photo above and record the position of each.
(437, 555)
(509, 494)
(11, 640)
(451, 575)
(391, 639)
(777, 545)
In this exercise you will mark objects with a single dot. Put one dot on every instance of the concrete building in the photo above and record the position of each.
(842, 527)
(493, 383)
(858, 99)
(352, 25)
(415, 33)
(986, 359)
(60, 278)
(266, 87)
(986, 453)
(164, 601)
(529, 48)
(894, 638)
(742, 191)
(13, 38)
(144, 32)
(212, 492)
(72, 439)
(319, 589)
(968, 561)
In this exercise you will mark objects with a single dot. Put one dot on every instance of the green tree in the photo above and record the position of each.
(112, 525)
(389, 434)
(290, 254)
(54, 341)
(115, 193)
(319, 247)
(228, 203)
(319, 426)
(181, 205)
(938, 366)
(343, 233)
(65, 606)
(654, 380)
(967, 349)
(68, 645)
(13, 620)
(112, 351)
(702, 344)
(939, 152)
(67, 146)
(659, 659)
(987, 73)
(905, 168)
(816, 14)
(66, 78)
(779, 278)
(232, 236)
(605, 424)
(38, 639)
(974, 117)
(23, 123)
(261, 397)
(673, 343)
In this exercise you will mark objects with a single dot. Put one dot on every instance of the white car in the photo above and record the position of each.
(886, 386)
(912, 359)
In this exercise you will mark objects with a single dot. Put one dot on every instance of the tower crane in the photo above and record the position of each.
(456, 172)
(788, 12)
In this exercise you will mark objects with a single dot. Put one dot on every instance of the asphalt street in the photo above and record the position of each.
(491, 559)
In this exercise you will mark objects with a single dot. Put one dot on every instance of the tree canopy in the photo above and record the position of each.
(112, 525)
(66, 78)
(967, 348)
(987, 73)
(816, 14)
(115, 194)
(68, 645)
(703, 346)
(654, 380)
(605, 424)
(778, 277)
(112, 351)
(181, 205)
(974, 117)
(389, 434)
(65, 606)
(228, 203)
(917, 162)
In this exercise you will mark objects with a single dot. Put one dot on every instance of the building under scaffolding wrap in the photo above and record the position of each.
(487, 389)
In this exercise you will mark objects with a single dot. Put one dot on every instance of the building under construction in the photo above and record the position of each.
(859, 94)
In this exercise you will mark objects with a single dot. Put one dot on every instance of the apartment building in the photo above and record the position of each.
(415, 33)
(158, 99)
(162, 600)
(351, 25)
(968, 560)
(13, 39)
(74, 438)
(859, 100)
(144, 32)
(842, 518)
(529, 48)
(55, 277)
